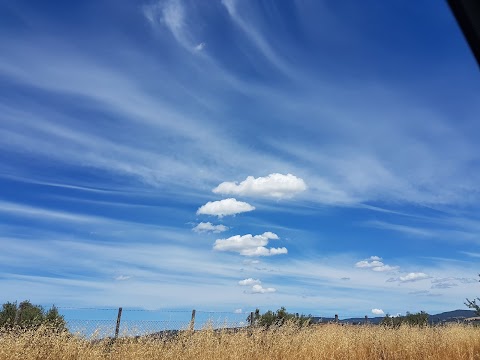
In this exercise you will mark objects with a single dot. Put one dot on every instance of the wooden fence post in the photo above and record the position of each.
(336, 318)
(119, 316)
(251, 319)
(366, 319)
(192, 322)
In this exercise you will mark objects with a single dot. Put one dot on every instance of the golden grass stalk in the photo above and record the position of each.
(287, 342)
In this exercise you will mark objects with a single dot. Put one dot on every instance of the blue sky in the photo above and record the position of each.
(229, 155)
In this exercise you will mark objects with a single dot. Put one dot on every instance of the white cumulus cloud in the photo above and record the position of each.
(209, 227)
(259, 289)
(274, 185)
(224, 207)
(384, 268)
(414, 276)
(249, 281)
(374, 263)
(237, 311)
(378, 312)
(410, 277)
(250, 245)
(368, 264)
(123, 277)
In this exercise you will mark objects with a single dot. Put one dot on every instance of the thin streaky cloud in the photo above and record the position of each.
(409, 230)
(471, 254)
(257, 38)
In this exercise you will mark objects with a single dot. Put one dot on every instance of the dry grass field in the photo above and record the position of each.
(287, 342)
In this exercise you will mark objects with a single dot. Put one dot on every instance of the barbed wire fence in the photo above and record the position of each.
(99, 323)
(120, 322)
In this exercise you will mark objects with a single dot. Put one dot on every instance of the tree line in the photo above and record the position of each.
(27, 315)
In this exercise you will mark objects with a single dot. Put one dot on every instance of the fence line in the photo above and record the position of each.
(116, 322)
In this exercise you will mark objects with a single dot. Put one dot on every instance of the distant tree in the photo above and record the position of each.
(278, 318)
(54, 319)
(27, 315)
(472, 304)
(7, 315)
(418, 319)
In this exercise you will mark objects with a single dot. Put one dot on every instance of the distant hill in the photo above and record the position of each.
(452, 316)
(449, 316)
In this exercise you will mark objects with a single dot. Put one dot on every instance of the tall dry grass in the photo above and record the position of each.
(287, 342)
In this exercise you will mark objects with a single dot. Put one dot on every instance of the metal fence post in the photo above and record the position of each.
(252, 320)
(366, 319)
(192, 322)
(119, 316)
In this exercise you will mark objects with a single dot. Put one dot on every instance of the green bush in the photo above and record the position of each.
(418, 319)
(27, 315)
(278, 318)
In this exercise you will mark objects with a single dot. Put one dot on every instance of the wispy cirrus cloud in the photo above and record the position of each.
(405, 229)
(256, 37)
(471, 254)
(171, 14)
(29, 211)
(450, 282)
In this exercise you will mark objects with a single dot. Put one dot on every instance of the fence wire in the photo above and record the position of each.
(102, 323)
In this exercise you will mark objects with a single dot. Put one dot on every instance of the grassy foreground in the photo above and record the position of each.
(287, 342)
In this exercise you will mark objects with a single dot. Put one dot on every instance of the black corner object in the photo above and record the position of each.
(467, 13)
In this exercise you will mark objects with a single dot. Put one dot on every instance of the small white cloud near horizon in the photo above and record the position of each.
(374, 263)
(384, 268)
(274, 185)
(378, 312)
(414, 277)
(249, 281)
(238, 311)
(249, 245)
(259, 289)
(411, 277)
(251, 262)
(123, 277)
(209, 227)
(225, 207)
